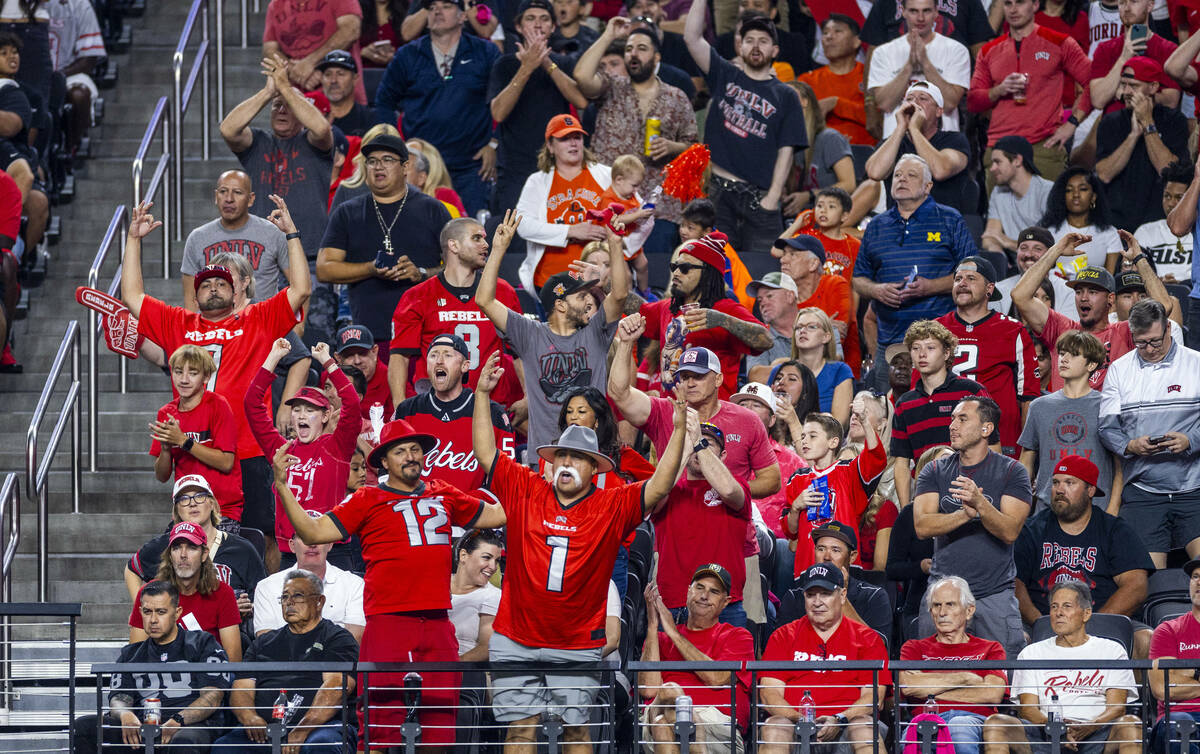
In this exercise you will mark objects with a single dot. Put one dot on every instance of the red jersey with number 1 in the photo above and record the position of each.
(406, 542)
(560, 559)
(997, 352)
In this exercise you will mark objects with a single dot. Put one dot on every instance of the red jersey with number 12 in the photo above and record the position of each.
(997, 352)
(559, 559)
(406, 542)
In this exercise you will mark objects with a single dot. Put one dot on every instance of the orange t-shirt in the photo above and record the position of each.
(849, 115)
(832, 296)
(609, 198)
(568, 204)
(840, 253)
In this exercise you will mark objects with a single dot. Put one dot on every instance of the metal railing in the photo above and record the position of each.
(117, 228)
(181, 95)
(8, 611)
(10, 505)
(159, 119)
(37, 465)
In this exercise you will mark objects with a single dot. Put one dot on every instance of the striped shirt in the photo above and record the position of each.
(1144, 399)
(933, 239)
(922, 419)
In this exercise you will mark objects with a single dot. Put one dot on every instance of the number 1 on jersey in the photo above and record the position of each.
(558, 562)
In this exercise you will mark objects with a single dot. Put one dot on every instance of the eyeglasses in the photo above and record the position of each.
(297, 597)
(1152, 343)
(684, 268)
(193, 501)
(387, 162)
(810, 327)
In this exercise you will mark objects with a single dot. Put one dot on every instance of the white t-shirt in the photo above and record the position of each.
(1064, 297)
(465, 610)
(343, 599)
(1172, 254)
(948, 56)
(1104, 23)
(1102, 244)
(1080, 692)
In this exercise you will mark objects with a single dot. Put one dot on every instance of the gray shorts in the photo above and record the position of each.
(841, 744)
(1039, 740)
(1162, 521)
(517, 695)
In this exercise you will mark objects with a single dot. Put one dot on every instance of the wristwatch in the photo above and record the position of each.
(1150, 129)
(700, 445)
(841, 718)
(177, 718)
(187, 445)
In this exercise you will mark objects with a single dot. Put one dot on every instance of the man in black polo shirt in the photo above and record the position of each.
(312, 720)
(755, 125)
(922, 417)
(339, 76)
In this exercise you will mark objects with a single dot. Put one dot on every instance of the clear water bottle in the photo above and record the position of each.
(808, 709)
(683, 708)
(1054, 710)
(652, 200)
(931, 706)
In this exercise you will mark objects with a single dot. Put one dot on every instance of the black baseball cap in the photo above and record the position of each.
(453, 341)
(983, 267)
(543, 4)
(386, 143)
(354, 336)
(1130, 281)
(1017, 145)
(1097, 277)
(1036, 233)
(761, 23)
(803, 242)
(1191, 565)
(338, 59)
(837, 530)
(718, 572)
(822, 576)
(560, 286)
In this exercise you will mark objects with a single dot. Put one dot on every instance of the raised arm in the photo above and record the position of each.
(659, 485)
(300, 281)
(614, 301)
(133, 289)
(1032, 309)
(1133, 254)
(693, 35)
(483, 434)
(1182, 219)
(235, 128)
(633, 403)
(587, 75)
(314, 531)
(485, 291)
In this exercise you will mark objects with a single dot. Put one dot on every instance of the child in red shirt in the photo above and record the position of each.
(196, 433)
(824, 221)
(627, 172)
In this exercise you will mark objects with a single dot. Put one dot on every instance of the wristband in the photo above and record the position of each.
(1138, 258)
(329, 364)
(1072, 119)
(177, 718)
(292, 235)
(187, 445)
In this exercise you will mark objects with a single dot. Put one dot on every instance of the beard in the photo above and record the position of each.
(641, 73)
(215, 303)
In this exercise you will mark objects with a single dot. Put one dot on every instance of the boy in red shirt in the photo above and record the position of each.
(824, 221)
(197, 433)
(847, 482)
(319, 480)
(627, 172)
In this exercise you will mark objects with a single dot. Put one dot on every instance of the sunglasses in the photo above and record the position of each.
(684, 267)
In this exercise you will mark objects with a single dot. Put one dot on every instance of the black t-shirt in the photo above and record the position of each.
(522, 133)
(795, 49)
(328, 642)
(966, 22)
(237, 562)
(357, 121)
(174, 690)
(953, 191)
(1046, 555)
(14, 100)
(573, 46)
(675, 52)
(1135, 194)
(354, 228)
(678, 78)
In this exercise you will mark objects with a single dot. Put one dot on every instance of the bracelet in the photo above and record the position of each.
(329, 364)
(290, 236)
(1138, 258)
(187, 445)
(553, 67)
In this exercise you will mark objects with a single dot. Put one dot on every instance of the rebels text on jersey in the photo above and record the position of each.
(452, 459)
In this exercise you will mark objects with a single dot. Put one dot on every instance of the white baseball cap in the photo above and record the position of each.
(759, 392)
(926, 88)
(191, 480)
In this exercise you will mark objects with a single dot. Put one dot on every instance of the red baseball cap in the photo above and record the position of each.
(1080, 468)
(319, 101)
(709, 249)
(1147, 70)
(398, 431)
(189, 531)
(309, 395)
(563, 125)
(212, 271)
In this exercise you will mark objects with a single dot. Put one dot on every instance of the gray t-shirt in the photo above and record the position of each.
(829, 146)
(554, 364)
(1058, 426)
(296, 171)
(1018, 213)
(781, 348)
(971, 551)
(260, 242)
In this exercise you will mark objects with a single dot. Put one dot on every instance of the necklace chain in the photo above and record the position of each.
(387, 229)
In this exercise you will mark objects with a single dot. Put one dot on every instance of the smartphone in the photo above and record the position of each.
(1158, 440)
(1138, 33)
(384, 260)
(911, 277)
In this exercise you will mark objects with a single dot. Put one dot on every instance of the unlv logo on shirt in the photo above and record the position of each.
(224, 572)
(252, 251)
(562, 371)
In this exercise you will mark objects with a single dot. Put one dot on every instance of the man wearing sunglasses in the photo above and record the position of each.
(1148, 417)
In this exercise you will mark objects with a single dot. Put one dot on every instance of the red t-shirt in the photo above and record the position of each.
(997, 352)
(199, 612)
(378, 393)
(695, 527)
(319, 480)
(1178, 638)
(974, 648)
(559, 559)
(885, 518)
(435, 307)
(301, 27)
(238, 345)
(210, 423)
(663, 325)
(832, 691)
(406, 542)
(847, 492)
(771, 507)
(10, 208)
(1115, 337)
(721, 643)
(747, 444)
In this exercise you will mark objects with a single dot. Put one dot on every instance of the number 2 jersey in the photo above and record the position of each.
(560, 559)
(406, 542)
(453, 460)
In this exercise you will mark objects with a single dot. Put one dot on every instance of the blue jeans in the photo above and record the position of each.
(322, 740)
(620, 574)
(733, 614)
(1159, 737)
(966, 730)
(472, 189)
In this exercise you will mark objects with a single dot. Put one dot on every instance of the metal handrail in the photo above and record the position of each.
(37, 468)
(10, 505)
(159, 118)
(181, 97)
(117, 228)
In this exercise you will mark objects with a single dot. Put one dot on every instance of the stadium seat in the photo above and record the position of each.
(641, 552)
(1105, 625)
(255, 538)
(860, 153)
(1166, 594)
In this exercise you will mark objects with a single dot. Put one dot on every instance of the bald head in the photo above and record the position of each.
(233, 197)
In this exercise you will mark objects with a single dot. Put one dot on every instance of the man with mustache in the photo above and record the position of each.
(562, 539)
(1075, 539)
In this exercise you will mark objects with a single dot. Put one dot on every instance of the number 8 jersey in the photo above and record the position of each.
(406, 542)
(560, 559)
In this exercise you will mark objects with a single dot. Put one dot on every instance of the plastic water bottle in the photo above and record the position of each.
(683, 708)
(652, 200)
(931, 706)
(1054, 709)
(808, 709)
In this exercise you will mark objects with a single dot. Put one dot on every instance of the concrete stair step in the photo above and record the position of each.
(85, 537)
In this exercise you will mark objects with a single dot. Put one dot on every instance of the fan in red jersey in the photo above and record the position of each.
(993, 350)
(445, 413)
(446, 304)
(319, 480)
(562, 540)
(404, 524)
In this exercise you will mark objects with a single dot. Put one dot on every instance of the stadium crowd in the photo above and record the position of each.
(473, 364)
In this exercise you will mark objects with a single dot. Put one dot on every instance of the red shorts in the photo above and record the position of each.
(396, 637)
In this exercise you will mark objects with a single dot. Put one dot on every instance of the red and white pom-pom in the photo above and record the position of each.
(684, 175)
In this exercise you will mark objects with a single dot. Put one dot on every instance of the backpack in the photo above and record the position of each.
(942, 744)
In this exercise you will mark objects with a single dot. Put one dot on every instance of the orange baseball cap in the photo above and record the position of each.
(563, 125)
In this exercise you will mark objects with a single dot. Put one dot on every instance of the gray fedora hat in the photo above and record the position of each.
(578, 439)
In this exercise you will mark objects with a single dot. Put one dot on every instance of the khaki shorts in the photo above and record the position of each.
(712, 730)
